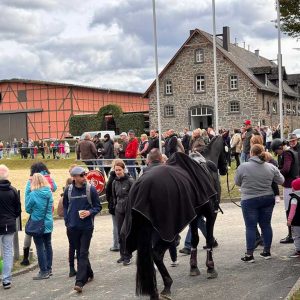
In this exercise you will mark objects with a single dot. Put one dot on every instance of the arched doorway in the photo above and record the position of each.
(201, 117)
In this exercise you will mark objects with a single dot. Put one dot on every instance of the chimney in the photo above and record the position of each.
(257, 52)
(226, 37)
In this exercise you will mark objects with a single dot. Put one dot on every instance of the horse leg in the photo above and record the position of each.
(159, 251)
(210, 222)
(194, 271)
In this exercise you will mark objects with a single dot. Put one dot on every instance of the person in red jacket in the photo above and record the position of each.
(131, 153)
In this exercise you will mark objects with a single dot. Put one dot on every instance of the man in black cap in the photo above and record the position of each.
(81, 204)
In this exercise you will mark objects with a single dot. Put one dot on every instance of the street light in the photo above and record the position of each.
(279, 70)
(215, 68)
(157, 79)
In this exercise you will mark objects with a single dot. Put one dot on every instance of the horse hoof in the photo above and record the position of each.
(212, 274)
(164, 297)
(194, 271)
(165, 292)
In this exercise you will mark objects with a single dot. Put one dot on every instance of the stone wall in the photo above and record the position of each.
(182, 73)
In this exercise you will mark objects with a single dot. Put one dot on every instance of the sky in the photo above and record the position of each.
(109, 43)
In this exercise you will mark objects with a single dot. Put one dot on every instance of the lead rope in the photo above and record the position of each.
(229, 190)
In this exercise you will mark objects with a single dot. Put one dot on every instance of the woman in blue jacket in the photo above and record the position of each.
(38, 203)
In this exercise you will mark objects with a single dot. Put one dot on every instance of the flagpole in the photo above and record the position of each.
(215, 69)
(279, 70)
(157, 79)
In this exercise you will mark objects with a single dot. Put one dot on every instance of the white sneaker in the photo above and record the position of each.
(174, 263)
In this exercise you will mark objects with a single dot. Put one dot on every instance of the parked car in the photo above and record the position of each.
(93, 133)
(297, 132)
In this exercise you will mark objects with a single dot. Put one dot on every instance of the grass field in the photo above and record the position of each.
(20, 171)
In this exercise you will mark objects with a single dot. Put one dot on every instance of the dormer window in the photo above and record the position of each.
(199, 56)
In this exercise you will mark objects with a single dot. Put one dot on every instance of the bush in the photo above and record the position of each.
(81, 123)
(132, 121)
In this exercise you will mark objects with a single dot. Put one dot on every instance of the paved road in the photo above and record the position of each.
(262, 280)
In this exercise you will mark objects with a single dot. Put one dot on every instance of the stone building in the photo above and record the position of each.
(247, 87)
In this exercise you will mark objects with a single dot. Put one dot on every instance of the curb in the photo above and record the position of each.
(295, 288)
(25, 270)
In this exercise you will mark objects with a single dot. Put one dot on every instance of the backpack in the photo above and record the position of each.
(60, 206)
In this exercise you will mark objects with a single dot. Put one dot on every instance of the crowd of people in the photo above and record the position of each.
(258, 175)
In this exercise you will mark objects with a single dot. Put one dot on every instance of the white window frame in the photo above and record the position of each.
(168, 87)
(274, 108)
(288, 109)
(200, 79)
(169, 111)
(234, 107)
(234, 82)
(199, 55)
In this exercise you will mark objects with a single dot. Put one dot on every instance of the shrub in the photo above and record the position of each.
(81, 123)
(134, 121)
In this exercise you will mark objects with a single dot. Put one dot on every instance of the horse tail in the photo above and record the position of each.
(145, 275)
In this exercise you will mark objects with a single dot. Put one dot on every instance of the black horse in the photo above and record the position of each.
(180, 191)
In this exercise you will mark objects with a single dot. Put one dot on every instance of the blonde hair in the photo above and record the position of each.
(3, 172)
(144, 136)
(38, 181)
(268, 156)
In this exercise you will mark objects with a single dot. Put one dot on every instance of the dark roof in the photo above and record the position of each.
(293, 79)
(19, 80)
(243, 59)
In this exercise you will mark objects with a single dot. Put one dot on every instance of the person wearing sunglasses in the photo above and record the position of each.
(79, 213)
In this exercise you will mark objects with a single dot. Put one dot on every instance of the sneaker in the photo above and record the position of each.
(174, 263)
(7, 285)
(114, 249)
(265, 255)
(41, 276)
(215, 245)
(287, 240)
(295, 255)
(50, 272)
(127, 262)
(120, 260)
(78, 287)
(185, 251)
(248, 258)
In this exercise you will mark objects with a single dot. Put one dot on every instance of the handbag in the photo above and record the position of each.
(36, 228)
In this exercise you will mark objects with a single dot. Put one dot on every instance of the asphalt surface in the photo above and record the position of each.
(263, 279)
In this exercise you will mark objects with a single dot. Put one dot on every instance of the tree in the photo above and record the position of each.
(290, 17)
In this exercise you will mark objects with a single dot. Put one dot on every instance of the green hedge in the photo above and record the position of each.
(81, 123)
(110, 109)
(135, 121)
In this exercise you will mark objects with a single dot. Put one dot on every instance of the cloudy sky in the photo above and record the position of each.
(109, 43)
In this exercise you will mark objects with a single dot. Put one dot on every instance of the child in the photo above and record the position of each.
(294, 216)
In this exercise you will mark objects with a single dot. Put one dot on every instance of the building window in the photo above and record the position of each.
(288, 109)
(294, 110)
(168, 87)
(199, 56)
(233, 82)
(200, 83)
(22, 96)
(234, 107)
(169, 111)
(268, 107)
(263, 101)
(274, 108)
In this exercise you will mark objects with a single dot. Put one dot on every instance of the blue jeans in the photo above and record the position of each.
(6, 241)
(201, 225)
(131, 167)
(258, 210)
(44, 252)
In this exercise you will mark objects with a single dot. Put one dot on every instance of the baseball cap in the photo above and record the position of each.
(247, 122)
(77, 171)
(292, 137)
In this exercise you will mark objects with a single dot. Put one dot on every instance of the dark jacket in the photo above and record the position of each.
(296, 219)
(120, 189)
(122, 149)
(109, 193)
(246, 143)
(87, 150)
(78, 202)
(99, 147)
(288, 166)
(297, 149)
(171, 145)
(10, 207)
(151, 166)
(153, 143)
(108, 150)
(186, 142)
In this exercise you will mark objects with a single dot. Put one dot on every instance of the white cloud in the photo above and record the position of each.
(109, 42)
